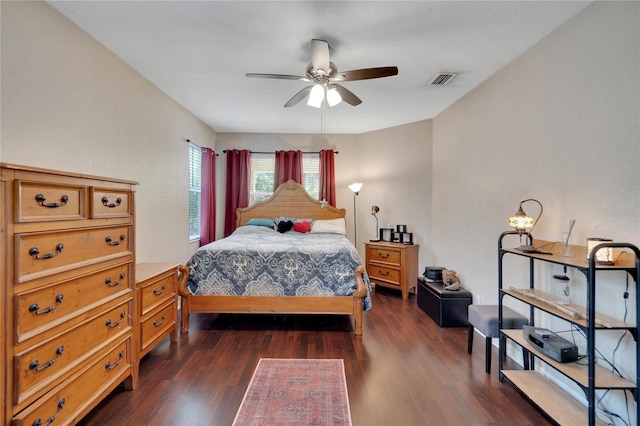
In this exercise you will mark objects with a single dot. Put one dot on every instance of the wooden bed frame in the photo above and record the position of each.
(289, 199)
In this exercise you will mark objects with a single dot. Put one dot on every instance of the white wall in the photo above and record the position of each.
(70, 104)
(559, 124)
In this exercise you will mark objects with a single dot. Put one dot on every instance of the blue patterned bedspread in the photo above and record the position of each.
(258, 261)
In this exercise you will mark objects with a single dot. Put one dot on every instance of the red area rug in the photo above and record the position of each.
(296, 392)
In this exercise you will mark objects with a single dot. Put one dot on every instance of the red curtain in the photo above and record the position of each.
(208, 197)
(288, 166)
(328, 176)
(238, 178)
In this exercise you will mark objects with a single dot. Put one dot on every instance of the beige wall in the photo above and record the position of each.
(559, 124)
(70, 104)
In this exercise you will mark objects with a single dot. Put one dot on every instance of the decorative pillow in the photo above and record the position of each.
(302, 227)
(285, 226)
(332, 226)
(261, 222)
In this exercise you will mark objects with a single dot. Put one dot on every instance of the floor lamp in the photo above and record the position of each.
(355, 187)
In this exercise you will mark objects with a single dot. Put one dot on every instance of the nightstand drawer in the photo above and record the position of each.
(158, 324)
(386, 274)
(154, 293)
(383, 254)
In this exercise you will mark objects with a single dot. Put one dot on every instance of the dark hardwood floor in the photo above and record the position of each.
(404, 370)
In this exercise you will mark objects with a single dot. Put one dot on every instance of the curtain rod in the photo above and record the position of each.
(203, 150)
(273, 152)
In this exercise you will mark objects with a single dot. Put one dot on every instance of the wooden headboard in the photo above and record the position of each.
(289, 199)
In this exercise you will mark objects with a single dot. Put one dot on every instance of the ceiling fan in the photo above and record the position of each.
(325, 77)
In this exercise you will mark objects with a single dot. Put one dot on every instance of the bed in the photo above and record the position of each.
(260, 270)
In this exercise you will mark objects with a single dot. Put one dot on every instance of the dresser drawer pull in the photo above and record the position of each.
(35, 309)
(159, 323)
(110, 366)
(35, 252)
(105, 202)
(41, 200)
(383, 273)
(159, 292)
(38, 422)
(35, 364)
(111, 324)
(383, 255)
(115, 243)
(115, 283)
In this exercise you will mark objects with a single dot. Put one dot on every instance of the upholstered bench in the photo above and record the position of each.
(484, 318)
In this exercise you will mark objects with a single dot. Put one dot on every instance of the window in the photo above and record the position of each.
(195, 188)
(263, 174)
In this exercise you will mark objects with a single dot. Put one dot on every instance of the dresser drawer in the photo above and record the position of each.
(45, 254)
(383, 254)
(53, 305)
(69, 401)
(389, 275)
(156, 325)
(110, 203)
(39, 368)
(154, 293)
(38, 201)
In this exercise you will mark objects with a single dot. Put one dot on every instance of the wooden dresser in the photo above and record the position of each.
(68, 266)
(157, 288)
(393, 265)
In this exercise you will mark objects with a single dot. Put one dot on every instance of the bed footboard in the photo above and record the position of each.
(338, 305)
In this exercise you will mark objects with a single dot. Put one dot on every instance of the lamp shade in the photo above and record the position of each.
(316, 96)
(333, 97)
(522, 222)
(375, 210)
(356, 187)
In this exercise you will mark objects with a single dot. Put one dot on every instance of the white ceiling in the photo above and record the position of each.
(199, 51)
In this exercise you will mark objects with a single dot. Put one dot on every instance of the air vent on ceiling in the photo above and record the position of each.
(442, 78)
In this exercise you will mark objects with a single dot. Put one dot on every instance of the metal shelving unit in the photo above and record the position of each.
(555, 402)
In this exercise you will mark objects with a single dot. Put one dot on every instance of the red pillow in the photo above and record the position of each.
(302, 227)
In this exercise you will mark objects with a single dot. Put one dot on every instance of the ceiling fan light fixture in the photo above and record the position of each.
(333, 97)
(316, 96)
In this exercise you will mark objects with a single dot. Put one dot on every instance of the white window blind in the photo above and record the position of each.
(263, 168)
(195, 189)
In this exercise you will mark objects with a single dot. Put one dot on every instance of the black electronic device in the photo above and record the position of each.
(550, 344)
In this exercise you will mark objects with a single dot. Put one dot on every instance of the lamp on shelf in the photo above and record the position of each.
(523, 223)
(374, 213)
(355, 187)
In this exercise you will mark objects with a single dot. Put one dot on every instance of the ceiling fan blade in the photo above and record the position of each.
(277, 76)
(320, 55)
(347, 95)
(366, 73)
(298, 97)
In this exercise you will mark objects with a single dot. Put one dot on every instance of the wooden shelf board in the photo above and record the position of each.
(602, 321)
(555, 402)
(623, 259)
(577, 372)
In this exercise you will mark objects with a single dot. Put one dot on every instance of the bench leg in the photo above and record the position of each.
(488, 355)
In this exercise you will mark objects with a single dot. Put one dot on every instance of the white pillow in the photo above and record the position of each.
(332, 226)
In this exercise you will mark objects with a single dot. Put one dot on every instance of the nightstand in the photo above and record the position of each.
(157, 298)
(393, 265)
